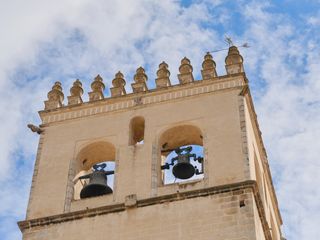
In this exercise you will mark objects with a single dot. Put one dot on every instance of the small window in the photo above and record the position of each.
(136, 131)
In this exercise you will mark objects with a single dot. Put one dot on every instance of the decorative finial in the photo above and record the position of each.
(76, 92)
(56, 92)
(185, 70)
(208, 67)
(163, 75)
(140, 79)
(118, 85)
(140, 75)
(119, 81)
(97, 87)
(208, 62)
(76, 89)
(163, 66)
(55, 97)
(234, 61)
(185, 66)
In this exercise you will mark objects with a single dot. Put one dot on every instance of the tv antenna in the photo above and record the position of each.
(230, 43)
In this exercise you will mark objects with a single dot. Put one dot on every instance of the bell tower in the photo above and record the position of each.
(183, 161)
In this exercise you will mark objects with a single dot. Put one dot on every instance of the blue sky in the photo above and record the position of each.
(45, 41)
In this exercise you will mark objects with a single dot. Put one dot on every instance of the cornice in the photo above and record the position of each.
(179, 196)
(137, 100)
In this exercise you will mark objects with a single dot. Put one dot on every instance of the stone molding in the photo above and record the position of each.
(150, 97)
(236, 189)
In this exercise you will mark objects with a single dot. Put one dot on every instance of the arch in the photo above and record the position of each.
(179, 136)
(93, 153)
(89, 155)
(137, 125)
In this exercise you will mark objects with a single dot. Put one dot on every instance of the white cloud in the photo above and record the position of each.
(49, 41)
(111, 38)
(63, 40)
(289, 113)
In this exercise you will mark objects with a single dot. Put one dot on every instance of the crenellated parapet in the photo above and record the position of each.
(233, 61)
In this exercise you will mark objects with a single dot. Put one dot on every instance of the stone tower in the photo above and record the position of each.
(139, 136)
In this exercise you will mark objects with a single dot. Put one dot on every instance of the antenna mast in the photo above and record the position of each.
(230, 43)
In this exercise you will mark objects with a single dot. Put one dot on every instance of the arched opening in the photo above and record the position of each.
(95, 154)
(181, 151)
(136, 131)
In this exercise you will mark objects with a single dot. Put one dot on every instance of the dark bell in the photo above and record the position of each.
(97, 185)
(183, 169)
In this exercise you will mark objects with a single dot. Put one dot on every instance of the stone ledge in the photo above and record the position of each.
(55, 219)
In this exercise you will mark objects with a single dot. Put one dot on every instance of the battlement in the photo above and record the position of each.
(233, 64)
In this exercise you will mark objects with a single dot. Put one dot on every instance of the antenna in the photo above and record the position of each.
(229, 41)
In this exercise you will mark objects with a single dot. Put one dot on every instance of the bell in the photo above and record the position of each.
(97, 185)
(183, 169)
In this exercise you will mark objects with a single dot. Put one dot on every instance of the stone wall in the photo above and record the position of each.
(226, 215)
(215, 113)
